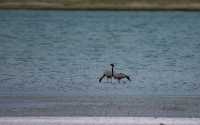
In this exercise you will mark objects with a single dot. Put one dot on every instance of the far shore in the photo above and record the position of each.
(187, 5)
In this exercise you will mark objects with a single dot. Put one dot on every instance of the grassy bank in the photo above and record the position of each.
(102, 4)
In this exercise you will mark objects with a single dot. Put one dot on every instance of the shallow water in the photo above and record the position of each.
(65, 52)
(134, 106)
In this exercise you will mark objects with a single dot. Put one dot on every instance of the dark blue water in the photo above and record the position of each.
(65, 52)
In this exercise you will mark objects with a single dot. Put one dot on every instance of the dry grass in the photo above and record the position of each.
(102, 4)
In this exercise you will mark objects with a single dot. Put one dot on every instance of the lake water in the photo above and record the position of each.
(65, 52)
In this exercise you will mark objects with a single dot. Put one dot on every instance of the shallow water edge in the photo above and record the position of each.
(134, 106)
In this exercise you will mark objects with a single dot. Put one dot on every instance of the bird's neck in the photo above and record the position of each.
(112, 71)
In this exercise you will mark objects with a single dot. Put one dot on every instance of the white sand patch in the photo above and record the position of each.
(97, 121)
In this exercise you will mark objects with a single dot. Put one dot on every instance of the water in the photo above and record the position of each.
(65, 52)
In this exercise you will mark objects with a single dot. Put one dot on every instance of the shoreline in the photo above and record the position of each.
(110, 106)
(50, 9)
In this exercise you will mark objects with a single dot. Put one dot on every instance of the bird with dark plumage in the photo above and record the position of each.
(108, 74)
(120, 76)
(111, 74)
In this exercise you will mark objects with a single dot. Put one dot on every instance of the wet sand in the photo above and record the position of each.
(135, 106)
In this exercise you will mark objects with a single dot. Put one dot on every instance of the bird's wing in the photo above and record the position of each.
(108, 73)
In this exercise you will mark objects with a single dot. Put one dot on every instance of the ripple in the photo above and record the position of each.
(65, 53)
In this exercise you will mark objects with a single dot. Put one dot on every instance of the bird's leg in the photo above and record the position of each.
(118, 80)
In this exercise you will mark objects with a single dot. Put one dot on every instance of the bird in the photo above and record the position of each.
(108, 74)
(120, 76)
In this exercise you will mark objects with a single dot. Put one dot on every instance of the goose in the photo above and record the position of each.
(108, 74)
(120, 76)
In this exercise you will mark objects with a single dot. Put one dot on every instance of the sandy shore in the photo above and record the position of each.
(101, 106)
(97, 121)
(102, 4)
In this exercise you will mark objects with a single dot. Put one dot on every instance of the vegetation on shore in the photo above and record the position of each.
(102, 4)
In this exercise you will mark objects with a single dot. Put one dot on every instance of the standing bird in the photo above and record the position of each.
(120, 76)
(108, 74)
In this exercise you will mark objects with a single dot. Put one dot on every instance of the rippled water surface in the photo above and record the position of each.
(65, 52)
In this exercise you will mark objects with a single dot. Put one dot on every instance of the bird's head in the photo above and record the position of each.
(112, 64)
